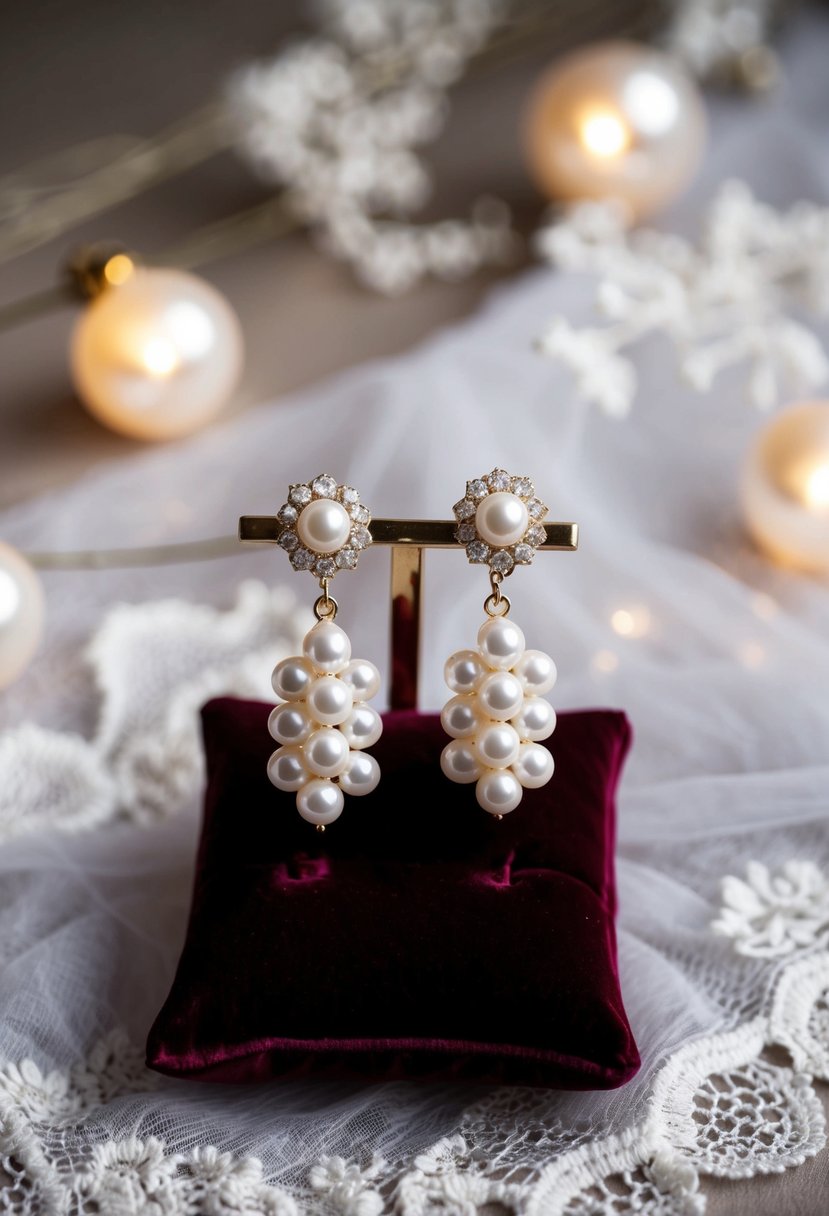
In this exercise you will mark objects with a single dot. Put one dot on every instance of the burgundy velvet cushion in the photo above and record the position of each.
(418, 935)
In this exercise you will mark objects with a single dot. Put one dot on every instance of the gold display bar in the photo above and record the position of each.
(407, 539)
(423, 533)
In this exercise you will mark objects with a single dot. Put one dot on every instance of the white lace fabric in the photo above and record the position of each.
(726, 984)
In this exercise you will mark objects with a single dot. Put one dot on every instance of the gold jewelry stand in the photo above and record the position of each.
(407, 538)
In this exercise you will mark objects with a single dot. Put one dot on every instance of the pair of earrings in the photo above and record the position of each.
(497, 717)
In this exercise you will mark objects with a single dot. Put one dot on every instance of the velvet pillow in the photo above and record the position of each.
(406, 940)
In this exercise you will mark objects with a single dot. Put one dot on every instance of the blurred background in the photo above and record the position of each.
(82, 83)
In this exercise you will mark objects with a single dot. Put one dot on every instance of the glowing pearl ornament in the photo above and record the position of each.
(156, 353)
(615, 120)
(21, 614)
(323, 721)
(498, 717)
(785, 487)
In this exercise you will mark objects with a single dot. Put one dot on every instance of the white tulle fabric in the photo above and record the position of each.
(726, 983)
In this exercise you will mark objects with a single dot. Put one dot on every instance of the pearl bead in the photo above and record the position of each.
(501, 695)
(320, 802)
(534, 766)
(536, 671)
(459, 762)
(464, 670)
(290, 723)
(287, 770)
(326, 752)
(785, 487)
(498, 792)
(501, 643)
(292, 678)
(362, 678)
(536, 720)
(328, 647)
(330, 701)
(497, 745)
(361, 774)
(158, 355)
(501, 519)
(21, 614)
(461, 716)
(615, 120)
(363, 727)
(324, 526)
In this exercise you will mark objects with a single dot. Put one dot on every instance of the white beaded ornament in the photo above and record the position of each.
(323, 723)
(499, 717)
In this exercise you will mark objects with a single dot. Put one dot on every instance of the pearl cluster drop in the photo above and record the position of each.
(499, 716)
(324, 724)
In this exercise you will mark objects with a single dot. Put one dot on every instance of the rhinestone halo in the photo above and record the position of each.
(500, 560)
(323, 565)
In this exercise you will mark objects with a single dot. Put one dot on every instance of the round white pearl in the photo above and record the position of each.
(324, 526)
(363, 679)
(497, 745)
(501, 519)
(326, 752)
(361, 774)
(785, 487)
(320, 801)
(463, 671)
(290, 724)
(329, 700)
(328, 647)
(537, 719)
(21, 614)
(501, 643)
(461, 716)
(536, 671)
(158, 355)
(292, 678)
(498, 792)
(616, 120)
(459, 762)
(501, 695)
(363, 726)
(534, 766)
(287, 770)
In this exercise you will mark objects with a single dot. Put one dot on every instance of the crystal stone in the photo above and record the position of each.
(477, 489)
(464, 509)
(536, 536)
(523, 553)
(478, 551)
(465, 533)
(359, 513)
(502, 561)
(499, 481)
(523, 487)
(324, 486)
(346, 559)
(287, 515)
(302, 558)
(300, 495)
(536, 508)
(288, 540)
(360, 538)
(325, 567)
(349, 495)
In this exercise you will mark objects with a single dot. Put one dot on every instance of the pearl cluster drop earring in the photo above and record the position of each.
(498, 716)
(323, 723)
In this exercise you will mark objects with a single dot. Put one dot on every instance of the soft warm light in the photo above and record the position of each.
(816, 489)
(785, 487)
(604, 134)
(159, 357)
(21, 614)
(605, 661)
(752, 655)
(615, 120)
(118, 269)
(631, 622)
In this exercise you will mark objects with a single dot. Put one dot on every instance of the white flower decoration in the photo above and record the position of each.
(324, 526)
(726, 302)
(348, 1186)
(481, 544)
(770, 915)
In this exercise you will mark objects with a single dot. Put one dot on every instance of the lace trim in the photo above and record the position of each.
(718, 1107)
(155, 665)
